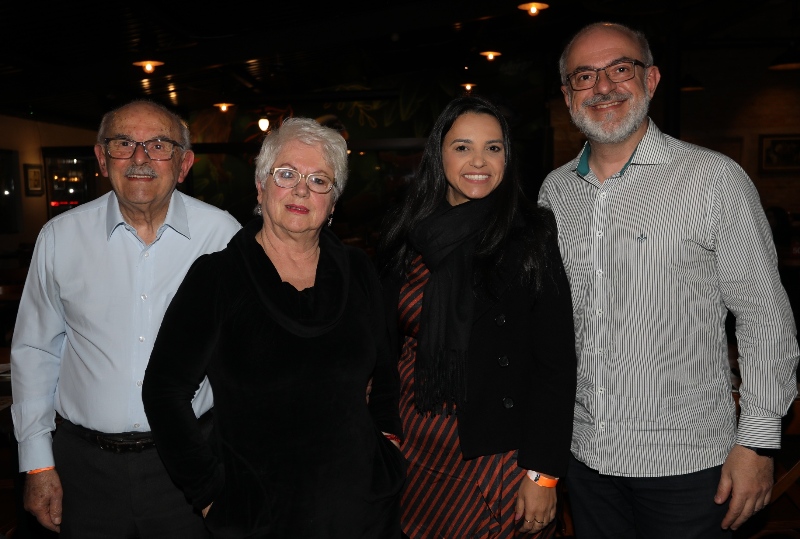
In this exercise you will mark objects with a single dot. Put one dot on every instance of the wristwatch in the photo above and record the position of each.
(763, 451)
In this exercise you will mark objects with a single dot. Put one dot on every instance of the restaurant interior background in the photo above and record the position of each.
(379, 70)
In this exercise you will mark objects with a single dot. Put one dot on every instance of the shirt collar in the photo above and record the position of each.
(652, 149)
(176, 215)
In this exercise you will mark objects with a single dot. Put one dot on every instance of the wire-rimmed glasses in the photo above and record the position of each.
(288, 178)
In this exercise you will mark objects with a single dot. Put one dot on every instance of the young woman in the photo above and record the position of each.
(481, 311)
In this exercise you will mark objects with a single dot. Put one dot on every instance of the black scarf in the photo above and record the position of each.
(446, 240)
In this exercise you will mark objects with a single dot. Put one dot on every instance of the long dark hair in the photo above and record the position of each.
(514, 216)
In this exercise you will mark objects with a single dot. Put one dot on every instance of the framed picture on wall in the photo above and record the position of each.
(34, 180)
(779, 154)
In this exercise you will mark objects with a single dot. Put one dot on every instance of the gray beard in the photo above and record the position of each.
(597, 132)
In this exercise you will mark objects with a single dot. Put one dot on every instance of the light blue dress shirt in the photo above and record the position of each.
(89, 314)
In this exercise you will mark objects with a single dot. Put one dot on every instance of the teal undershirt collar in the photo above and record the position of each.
(583, 163)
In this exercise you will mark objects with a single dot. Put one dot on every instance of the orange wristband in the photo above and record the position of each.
(541, 480)
(39, 470)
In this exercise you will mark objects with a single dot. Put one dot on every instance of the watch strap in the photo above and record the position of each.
(763, 451)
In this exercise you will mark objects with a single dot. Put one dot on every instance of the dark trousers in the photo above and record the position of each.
(119, 495)
(613, 507)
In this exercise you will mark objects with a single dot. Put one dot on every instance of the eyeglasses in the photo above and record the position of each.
(157, 149)
(288, 178)
(584, 79)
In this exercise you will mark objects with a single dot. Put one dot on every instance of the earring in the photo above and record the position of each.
(258, 210)
(330, 220)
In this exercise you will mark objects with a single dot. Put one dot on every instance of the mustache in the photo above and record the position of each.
(606, 98)
(141, 170)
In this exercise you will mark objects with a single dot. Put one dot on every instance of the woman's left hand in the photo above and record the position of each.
(536, 506)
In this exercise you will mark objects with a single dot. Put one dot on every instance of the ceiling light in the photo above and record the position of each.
(490, 55)
(468, 86)
(263, 123)
(148, 65)
(223, 106)
(789, 59)
(533, 8)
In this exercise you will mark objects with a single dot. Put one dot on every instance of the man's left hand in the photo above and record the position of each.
(747, 480)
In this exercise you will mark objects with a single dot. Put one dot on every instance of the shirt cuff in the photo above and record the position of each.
(759, 432)
(36, 453)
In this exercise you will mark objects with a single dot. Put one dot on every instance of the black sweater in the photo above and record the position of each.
(295, 449)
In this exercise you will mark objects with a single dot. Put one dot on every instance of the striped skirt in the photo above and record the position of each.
(445, 496)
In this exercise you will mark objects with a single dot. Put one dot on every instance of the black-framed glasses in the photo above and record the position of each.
(289, 177)
(157, 149)
(619, 71)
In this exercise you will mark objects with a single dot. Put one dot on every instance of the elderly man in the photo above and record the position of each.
(100, 280)
(660, 240)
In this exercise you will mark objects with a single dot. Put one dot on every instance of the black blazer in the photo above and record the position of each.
(521, 367)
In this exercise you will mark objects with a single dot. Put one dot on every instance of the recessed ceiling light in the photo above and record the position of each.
(490, 55)
(533, 8)
(148, 65)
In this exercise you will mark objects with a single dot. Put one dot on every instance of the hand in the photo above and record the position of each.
(42, 497)
(536, 506)
(747, 479)
(207, 509)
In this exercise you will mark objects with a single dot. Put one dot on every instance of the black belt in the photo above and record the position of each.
(123, 442)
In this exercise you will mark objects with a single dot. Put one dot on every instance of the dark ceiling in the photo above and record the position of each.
(69, 62)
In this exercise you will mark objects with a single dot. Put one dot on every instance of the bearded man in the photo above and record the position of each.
(660, 240)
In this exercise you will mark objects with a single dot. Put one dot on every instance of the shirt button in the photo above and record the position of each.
(603, 195)
(144, 297)
(147, 255)
(599, 233)
(602, 425)
(599, 312)
(500, 320)
(139, 383)
(136, 425)
(599, 273)
(600, 391)
(508, 402)
(503, 361)
(141, 339)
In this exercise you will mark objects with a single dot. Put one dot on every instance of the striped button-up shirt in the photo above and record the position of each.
(656, 256)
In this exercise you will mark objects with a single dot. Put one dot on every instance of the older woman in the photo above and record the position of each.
(484, 317)
(287, 323)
